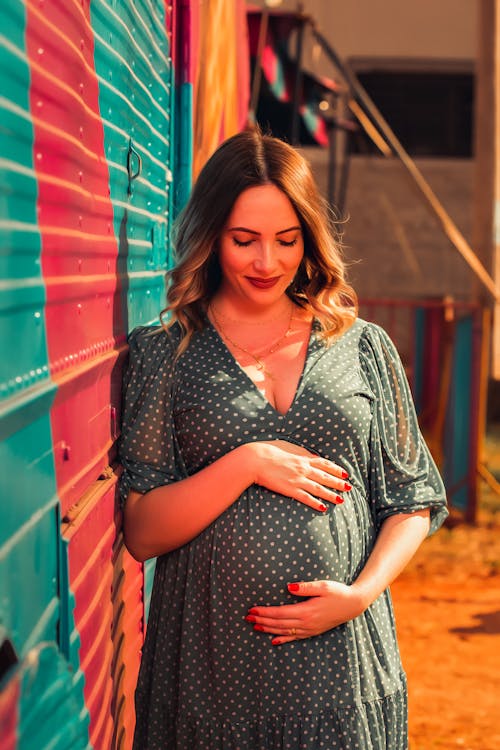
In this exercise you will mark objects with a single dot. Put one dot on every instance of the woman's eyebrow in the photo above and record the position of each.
(242, 229)
(290, 229)
(252, 231)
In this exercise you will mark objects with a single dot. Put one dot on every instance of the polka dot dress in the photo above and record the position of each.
(208, 681)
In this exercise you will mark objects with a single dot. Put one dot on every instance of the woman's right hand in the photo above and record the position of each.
(291, 470)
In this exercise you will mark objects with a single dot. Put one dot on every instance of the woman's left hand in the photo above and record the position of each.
(330, 603)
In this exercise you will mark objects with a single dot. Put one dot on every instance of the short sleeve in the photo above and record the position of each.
(147, 446)
(403, 475)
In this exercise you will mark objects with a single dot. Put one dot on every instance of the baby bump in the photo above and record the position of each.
(265, 541)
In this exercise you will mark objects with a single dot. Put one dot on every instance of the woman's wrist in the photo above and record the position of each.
(363, 596)
(246, 461)
(250, 460)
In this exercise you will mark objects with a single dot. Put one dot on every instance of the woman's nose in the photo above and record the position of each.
(264, 260)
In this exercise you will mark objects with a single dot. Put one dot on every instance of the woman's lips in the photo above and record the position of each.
(263, 283)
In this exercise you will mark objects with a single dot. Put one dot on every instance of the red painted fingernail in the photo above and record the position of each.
(339, 499)
(252, 611)
(347, 486)
(250, 618)
(293, 587)
(322, 507)
(258, 627)
(344, 474)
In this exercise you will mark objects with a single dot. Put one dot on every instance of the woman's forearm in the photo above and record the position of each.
(169, 516)
(399, 538)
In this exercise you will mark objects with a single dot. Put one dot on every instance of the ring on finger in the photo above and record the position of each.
(292, 631)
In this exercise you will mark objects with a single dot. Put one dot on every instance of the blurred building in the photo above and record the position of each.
(416, 60)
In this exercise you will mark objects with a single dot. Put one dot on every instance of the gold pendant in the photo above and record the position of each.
(262, 368)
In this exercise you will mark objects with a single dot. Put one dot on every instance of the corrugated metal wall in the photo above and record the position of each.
(86, 168)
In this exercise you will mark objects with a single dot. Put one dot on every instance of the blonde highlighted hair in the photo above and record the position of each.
(246, 160)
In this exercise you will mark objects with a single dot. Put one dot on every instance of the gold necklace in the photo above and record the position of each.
(258, 360)
(217, 314)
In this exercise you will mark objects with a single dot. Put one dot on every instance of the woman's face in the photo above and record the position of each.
(261, 247)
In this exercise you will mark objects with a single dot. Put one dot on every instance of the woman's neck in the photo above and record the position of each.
(243, 312)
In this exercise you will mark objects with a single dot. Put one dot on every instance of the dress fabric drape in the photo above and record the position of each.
(208, 681)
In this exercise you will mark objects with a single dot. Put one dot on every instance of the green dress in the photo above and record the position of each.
(208, 681)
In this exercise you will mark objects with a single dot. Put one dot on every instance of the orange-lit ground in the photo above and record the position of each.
(448, 614)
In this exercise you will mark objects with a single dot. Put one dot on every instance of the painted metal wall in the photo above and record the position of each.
(86, 169)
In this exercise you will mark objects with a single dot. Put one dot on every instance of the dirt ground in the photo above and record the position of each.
(447, 606)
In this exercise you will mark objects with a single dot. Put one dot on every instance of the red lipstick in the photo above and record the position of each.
(263, 283)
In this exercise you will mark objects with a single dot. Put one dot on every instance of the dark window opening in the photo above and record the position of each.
(430, 113)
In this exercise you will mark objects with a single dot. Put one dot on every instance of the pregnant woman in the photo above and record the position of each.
(273, 463)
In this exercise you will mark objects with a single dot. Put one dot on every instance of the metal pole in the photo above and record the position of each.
(344, 170)
(298, 86)
(332, 162)
(257, 73)
(486, 229)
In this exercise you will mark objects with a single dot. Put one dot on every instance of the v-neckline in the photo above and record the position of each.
(312, 341)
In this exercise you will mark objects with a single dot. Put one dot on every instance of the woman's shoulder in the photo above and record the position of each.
(153, 343)
(369, 334)
(378, 354)
(359, 331)
(370, 340)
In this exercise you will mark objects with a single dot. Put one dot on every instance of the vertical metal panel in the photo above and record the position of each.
(29, 603)
(78, 244)
(134, 70)
(72, 205)
(107, 624)
(128, 632)
(29, 531)
(22, 292)
(69, 637)
(39, 693)
(89, 537)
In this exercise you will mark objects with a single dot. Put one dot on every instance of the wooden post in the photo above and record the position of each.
(486, 238)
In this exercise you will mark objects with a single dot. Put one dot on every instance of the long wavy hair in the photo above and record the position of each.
(247, 160)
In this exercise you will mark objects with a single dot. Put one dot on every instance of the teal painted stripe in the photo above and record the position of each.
(22, 293)
(458, 436)
(29, 601)
(183, 146)
(50, 717)
(134, 71)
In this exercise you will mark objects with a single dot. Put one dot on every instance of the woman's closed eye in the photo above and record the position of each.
(243, 243)
(240, 242)
(288, 243)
